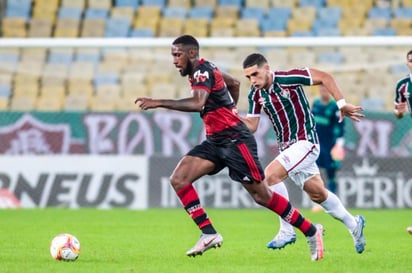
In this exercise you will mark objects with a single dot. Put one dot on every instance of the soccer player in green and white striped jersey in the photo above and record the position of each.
(403, 100)
(281, 96)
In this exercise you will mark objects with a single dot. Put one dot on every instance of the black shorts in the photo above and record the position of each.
(239, 155)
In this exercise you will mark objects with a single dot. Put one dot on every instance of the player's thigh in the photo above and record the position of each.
(299, 156)
(189, 169)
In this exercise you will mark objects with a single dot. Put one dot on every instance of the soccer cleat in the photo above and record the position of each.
(206, 241)
(282, 239)
(316, 243)
(357, 234)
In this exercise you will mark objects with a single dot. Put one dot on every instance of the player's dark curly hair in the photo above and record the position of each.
(253, 59)
(187, 40)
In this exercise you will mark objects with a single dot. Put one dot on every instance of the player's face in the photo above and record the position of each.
(259, 77)
(409, 62)
(181, 59)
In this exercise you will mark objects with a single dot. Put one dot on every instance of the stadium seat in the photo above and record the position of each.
(284, 3)
(4, 103)
(258, 3)
(70, 13)
(48, 103)
(199, 27)
(93, 28)
(313, 3)
(40, 27)
(175, 12)
(256, 13)
(171, 27)
(236, 3)
(96, 13)
(99, 4)
(227, 11)
(76, 103)
(179, 3)
(201, 12)
(205, 3)
(142, 32)
(378, 12)
(158, 3)
(73, 3)
(127, 3)
(22, 104)
(247, 28)
(117, 27)
(387, 31)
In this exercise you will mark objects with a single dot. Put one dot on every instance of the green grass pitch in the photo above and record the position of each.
(156, 240)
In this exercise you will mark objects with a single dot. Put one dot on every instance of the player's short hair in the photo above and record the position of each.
(187, 40)
(253, 59)
(409, 53)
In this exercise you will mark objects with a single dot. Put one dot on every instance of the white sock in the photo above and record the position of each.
(335, 208)
(281, 189)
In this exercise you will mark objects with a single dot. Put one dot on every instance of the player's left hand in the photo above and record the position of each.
(146, 103)
(351, 111)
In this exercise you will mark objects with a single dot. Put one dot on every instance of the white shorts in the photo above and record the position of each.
(299, 160)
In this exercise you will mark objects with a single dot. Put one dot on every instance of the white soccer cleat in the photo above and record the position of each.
(282, 239)
(357, 234)
(206, 242)
(316, 243)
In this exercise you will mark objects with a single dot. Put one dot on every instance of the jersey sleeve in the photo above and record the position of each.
(254, 108)
(203, 78)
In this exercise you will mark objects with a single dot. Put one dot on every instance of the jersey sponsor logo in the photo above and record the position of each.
(200, 76)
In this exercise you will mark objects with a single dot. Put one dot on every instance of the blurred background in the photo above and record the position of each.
(72, 100)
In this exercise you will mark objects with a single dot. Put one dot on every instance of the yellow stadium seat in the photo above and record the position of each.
(137, 90)
(298, 25)
(73, 3)
(49, 103)
(258, 3)
(108, 90)
(84, 88)
(125, 104)
(304, 13)
(22, 103)
(407, 3)
(284, 3)
(102, 104)
(4, 103)
(205, 3)
(26, 90)
(227, 11)
(99, 4)
(198, 27)
(171, 27)
(122, 12)
(247, 27)
(93, 27)
(76, 102)
(58, 91)
(179, 3)
(81, 70)
(163, 90)
(149, 12)
(40, 27)
(34, 55)
(110, 66)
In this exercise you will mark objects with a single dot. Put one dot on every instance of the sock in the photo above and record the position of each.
(335, 208)
(284, 209)
(281, 189)
(190, 200)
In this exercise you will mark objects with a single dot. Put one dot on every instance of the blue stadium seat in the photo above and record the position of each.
(280, 13)
(60, 58)
(70, 13)
(237, 3)
(330, 13)
(117, 27)
(93, 13)
(126, 3)
(174, 12)
(331, 57)
(142, 33)
(18, 8)
(257, 13)
(379, 12)
(403, 12)
(386, 31)
(159, 3)
(87, 57)
(201, 12)
(327, 31)
(5, 90)
(302, 34)
(312, 3)
(272, 24)
(105, 78)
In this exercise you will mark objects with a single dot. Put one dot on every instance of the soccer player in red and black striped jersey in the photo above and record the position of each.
(403, 98)
(228, 143)
(281, 96)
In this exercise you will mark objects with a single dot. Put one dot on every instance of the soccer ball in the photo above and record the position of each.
(65, 247)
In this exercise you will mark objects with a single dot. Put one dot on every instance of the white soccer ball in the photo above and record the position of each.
(65, 247)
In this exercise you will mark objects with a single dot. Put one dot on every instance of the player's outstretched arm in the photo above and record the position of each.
(190, 104)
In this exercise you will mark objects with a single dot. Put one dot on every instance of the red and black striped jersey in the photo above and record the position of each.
(287, 106)
(219, 114)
